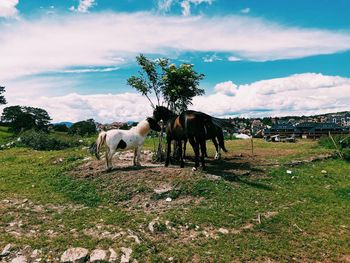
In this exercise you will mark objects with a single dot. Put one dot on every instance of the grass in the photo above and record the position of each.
(5, 135)
(303, 215)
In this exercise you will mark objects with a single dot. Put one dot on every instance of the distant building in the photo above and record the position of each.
(340, 119)
(306, 129)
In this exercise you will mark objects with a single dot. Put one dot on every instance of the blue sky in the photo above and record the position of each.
(259, 57)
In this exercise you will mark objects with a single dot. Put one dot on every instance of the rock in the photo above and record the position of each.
(35, 253)
(125, 258)
(113, 257)
(212, 177)
(168, 199)
(324, 171)
(19, 259)
(6, 251)
(151, 225)
(98, 255)
(289, 172)
(136, 238)
(75, 255)
(163, 190)
(223, 230)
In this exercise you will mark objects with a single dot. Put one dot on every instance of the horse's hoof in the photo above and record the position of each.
(194, 169)
(109, 170)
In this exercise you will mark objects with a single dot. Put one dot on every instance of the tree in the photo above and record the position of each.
(2, 98)
(181, 86)
(24, 118)
(170, 85)
(83, 128)
(61, 127)
(150, 80)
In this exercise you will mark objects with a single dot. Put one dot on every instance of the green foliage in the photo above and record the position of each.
(346, 154)
(150, 80)
(40, 140)
(326, 141)
(5, 135)
(22, 118)
(60, 128)
(176, 86)
(2, 98)
(180, 86)
(83, 128)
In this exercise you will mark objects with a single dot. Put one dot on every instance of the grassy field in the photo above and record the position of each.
(243, 208)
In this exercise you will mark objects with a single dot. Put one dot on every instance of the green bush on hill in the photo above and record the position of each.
(83, 128)
(40, 140)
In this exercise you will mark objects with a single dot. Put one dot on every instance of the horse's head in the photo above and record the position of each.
(153, 124)
(162, 113)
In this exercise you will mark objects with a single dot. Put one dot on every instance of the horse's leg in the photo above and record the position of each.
(195, 147)
(217, 148)
(134, 158)
(109, 156)
(179, 144)
(107, 159)
(184, 154)
(138, 154)
(168, 143)
(202, 144)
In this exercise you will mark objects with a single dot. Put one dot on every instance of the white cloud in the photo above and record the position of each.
(165, 5)
(8, 8)
(186, 5)
(101, 107)
(84, 6)
(307, 93)
(299, 94)
(211, 58)
(88, 70)
(227, 88)
(233, 58)
(245, 10)
(100, 40)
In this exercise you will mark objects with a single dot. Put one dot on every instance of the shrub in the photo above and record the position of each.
(327, 142)
(346, 154)
(60, 128)
(83, 128)
(39, 140)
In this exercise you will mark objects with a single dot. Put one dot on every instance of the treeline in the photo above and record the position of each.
(23, 118)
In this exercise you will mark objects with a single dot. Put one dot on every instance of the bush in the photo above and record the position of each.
(83, 128)
(39, 140)
(60, 128)
(326, 141)
(346, 154)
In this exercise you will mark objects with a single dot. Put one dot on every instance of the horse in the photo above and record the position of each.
(189, 125)
(116, 139)
(216, 135)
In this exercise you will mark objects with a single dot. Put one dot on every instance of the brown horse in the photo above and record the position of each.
(216, 135)
(189, 125)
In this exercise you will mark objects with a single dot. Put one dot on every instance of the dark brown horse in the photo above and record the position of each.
(216, 135)
(189, 125)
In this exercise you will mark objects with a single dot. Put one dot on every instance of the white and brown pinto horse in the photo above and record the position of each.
(124, 139)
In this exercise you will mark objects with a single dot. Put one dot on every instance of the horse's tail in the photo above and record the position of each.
(96, 146)
(221, 140)
(222, 123)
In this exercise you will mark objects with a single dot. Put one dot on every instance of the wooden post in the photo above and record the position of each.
(252, 143)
